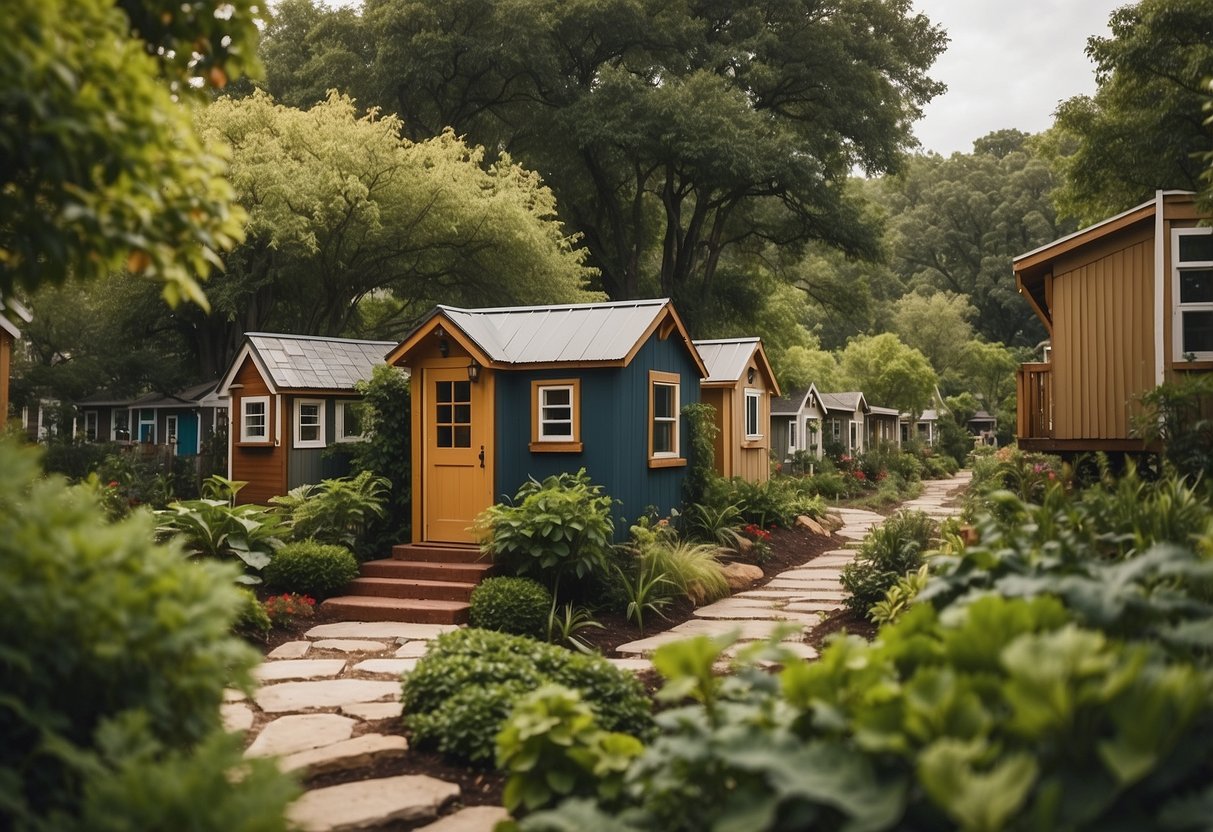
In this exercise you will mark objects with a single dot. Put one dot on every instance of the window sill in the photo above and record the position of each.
(555, 447)
(259, 443)
(310, 446)
(667, 462)
(1200, 364)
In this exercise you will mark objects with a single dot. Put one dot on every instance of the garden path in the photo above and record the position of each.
(328, 703)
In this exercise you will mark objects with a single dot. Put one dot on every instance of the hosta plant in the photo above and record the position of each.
(215, 529)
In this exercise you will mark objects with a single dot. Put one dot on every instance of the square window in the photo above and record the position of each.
(555, 415)
(1192, 294)
(1198, 331)
(309, 423)
(254, 419)
(350, 418)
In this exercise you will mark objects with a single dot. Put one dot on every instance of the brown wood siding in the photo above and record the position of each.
(1103, 337)
(6, 352)
(262, 466)
(718, 398)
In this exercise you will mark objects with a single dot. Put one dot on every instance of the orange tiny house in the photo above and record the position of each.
(740, 386)
(1128, 304)
(10, 313)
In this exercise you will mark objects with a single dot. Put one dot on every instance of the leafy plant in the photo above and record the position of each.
(899, 596)
(561, 526)
(385, 452)
(336, 511)
(511, 605)
(563, 626)
(311, 568)
(214, 529)
(551, 747)
(701, 441)
(252, 621)
(460, 693)
(713, 523)
(285, 610)
(1179, 414)
(646, 591)
(888, 553)
(692, 570)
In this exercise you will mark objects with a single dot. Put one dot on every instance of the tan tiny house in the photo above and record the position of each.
(1128, 304)
(740, 385)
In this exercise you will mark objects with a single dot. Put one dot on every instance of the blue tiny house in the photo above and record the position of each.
(503, 394)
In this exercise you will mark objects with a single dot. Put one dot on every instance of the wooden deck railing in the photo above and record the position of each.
(1034, 391)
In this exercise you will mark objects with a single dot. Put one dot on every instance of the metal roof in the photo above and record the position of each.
(883, 411)
(305, 362)
(842, 401)
(11, 311)
(574, 332)
(726, 358)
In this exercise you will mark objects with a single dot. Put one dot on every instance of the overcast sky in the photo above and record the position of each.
(1008, 64)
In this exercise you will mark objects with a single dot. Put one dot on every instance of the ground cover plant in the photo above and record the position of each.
(891, 551)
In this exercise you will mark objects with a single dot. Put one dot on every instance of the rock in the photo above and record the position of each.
(380, 629)
(741, 575)
(744, 545)
(236, 716)
(471, 819)
(373, 711)
(804, 521)
(355, 753)
(412, 650)
(290, 734)
(832, 521)
(290, 650)
(633, 665)
(298, 669)
(330, 693)
(386, 667)
(370, 803)
(233, 695)
(346, 645)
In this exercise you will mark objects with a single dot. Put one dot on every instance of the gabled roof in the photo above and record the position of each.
(11, 311)
(849, 402)
(883, 411)
(191, 396)
(792, 403)
(728, 358)
(600, 333)
(306, 362)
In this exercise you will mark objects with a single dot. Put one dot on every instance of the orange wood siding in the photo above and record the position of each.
(718, 397)
(1103, 336)
(6, 352)
(262, 466)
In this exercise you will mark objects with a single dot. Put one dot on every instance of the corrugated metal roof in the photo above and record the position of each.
(726, 358)
(576, 332)
(304, 362)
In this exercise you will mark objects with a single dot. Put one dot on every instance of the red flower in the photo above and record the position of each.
(860, 475)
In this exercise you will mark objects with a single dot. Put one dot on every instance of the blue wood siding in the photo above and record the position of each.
(614, 430)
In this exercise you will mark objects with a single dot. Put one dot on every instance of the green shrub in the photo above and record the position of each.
(693, 570)
(701, 442)
(1180, 415)
(511, 605)
(336, 511)
(252, 621)
(386, 452)
(561, 526)
(887, 554)
(311, 568)
(462, 690)
(775, 501)
(214, 529)
(115, 655)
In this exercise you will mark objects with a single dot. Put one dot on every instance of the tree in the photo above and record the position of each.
(937, 326)
(889, 373)
(801, 367)
(103, 169)
(988, 371)
(670, 133)
(1142, 130)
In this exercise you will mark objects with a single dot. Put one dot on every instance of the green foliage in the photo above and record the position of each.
(213, 529)
(1027, 475)
(693, 570)
(311, 568)
(1179, 414)
(336, 511)
(892, 550)
(564, 622)
(385, 451)
(462, 690)
(778, 500)
(561, 526)
(287, 609)
(511, 605)
(115, 656)
(888, 372)
(713, 523)
(645, 590)
(551, 747)
(899, 596)
(701, 441)
(104, 169)
(252, 621)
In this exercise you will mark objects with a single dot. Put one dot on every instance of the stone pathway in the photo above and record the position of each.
(323, 700)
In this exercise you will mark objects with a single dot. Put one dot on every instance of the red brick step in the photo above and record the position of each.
(434, 552)
(415, 610)
(411, 588)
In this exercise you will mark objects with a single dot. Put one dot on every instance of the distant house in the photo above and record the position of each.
(1128, 304)
(740, 386)
(983, 427)
(807, 420)
(883, 426)
(103, 417)
(924, 428)
(11, 313)
(500, 395)
(291, 398)
(181, 420)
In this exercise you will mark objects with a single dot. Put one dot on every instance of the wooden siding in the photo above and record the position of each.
(263, 466)
(6, 352)
(307, 466)
(1103, 337)
(720, 398)
(614, 433)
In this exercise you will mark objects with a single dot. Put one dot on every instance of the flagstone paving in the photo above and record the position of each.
(321, 696)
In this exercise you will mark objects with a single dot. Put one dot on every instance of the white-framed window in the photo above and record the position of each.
(812, 429)
(90, 426)
(120, 430)
(854, 436)
(664, 392)
(1192, 292)
(753, 412)
(170, 429)
(350, 421)
(147, 427)
(836, 428)
(792, 435)
(556, 415)
(255, 419)
(309, 423)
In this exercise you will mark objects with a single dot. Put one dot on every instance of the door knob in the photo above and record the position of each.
(482, 456)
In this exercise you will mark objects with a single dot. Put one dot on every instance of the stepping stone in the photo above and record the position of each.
(236, 716)
(813, 606)
(386, 667)
(812, 593)
(298, 669)
(358, 752)
(760, 614)
(233, 695)
(412, 650)
(632, 665)
(380, 629)
(290, 734)
(817, 576)
(373, 711)
(351, 645)
(290, 650)
(471, 819)
(330, 693)
(769, 594)
(407, 798)
(801, 649)
(748, 630)
(737, 602)
(646, 646)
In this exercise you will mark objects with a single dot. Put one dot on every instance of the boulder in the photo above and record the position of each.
(741, 575)
(804, 521)
(832, 521)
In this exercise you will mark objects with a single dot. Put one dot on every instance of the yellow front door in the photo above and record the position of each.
(457, 432)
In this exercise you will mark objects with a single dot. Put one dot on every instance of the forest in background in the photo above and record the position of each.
(755, 164)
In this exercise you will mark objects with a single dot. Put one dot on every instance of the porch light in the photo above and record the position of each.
(749, 376)
(444, 347)
(473, 371)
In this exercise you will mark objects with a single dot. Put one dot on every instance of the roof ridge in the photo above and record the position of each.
(552, 307)
(329, 338)
(745, 339)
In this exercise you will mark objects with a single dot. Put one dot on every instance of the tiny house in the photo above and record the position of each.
(11, 312)
(1128, 304)
(182, 420)
(503, 394)
(292, 398)
(808, 420)
(883, 426)
(740, 386)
